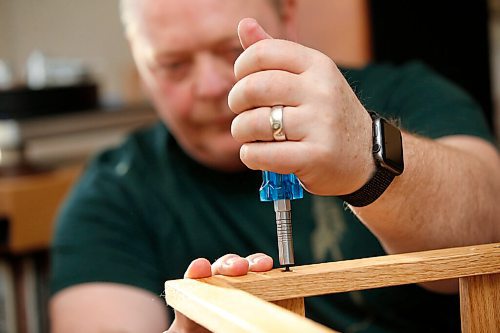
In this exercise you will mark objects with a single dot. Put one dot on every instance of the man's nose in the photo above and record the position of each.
(214, 77)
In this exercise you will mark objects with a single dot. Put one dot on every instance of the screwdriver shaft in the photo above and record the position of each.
(283, 211)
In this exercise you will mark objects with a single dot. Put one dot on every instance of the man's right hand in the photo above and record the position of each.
(230, 265)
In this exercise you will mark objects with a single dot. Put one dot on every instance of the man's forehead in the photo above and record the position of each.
(194, 21)
(180, 10)
(191, 12)
(184, 25)
(178, 17)
(191, 32)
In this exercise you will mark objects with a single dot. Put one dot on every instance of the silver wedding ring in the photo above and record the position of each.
(276, 120)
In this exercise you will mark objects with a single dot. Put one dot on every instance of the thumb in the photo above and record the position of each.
(199, 268)
(250, 32)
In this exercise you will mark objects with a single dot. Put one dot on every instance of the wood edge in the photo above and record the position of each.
(296, 305)
(359, 274)
(223, 310)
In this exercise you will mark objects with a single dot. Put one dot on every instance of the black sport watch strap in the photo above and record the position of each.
(372, 190)
(387, 150)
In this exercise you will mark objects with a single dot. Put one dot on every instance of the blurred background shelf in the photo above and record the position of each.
(73, 137)
(55, 150)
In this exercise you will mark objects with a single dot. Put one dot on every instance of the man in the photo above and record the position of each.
(143, 211)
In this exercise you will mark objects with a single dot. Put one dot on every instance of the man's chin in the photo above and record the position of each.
(222, 155)
(226, 158)
(223, 162)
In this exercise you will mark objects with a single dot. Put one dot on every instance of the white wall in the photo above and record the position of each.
(4, 24)
(91, 29)
(85, 29)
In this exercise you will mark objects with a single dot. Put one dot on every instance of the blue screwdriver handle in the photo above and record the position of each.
(276, 186)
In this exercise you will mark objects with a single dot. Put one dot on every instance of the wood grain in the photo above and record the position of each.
(349, 275)
(480, 303)
(233, 311)
(296, 305)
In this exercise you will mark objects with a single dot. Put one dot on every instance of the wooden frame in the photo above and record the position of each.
(231, 304)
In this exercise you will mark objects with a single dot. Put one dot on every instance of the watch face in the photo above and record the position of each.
(390, 154)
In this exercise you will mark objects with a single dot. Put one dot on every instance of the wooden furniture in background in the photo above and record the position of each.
(238, 304)
(29, 204)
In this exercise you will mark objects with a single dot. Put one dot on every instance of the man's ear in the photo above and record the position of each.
(289, 16)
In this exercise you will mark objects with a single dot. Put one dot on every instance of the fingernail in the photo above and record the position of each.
(255, 260)
(243, 151)
(228, 262)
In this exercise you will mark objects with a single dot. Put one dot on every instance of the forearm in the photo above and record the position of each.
(107, 307)
(446, 197)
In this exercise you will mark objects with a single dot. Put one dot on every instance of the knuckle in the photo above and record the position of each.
(250, 87)
(253, 87)
(259, 53)
(259, 86)
(323, 60)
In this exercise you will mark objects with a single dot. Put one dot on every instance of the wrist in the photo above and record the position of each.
(366, 165)
(387, 163)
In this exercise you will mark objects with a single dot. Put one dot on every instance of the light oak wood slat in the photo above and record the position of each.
(230, 310)
(349, 275)
(480, 303)
(296, 305)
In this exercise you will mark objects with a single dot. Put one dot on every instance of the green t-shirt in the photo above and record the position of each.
(144, 210)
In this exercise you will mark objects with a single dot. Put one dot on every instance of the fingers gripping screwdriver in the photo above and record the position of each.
(281, 189)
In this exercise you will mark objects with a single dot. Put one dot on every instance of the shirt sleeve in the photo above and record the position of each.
(430, 105)
(101, 235)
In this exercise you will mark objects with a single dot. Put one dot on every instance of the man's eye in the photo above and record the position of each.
(175, 70)
(173, 66)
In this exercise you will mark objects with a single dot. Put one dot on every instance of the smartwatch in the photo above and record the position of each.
(387, 150)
